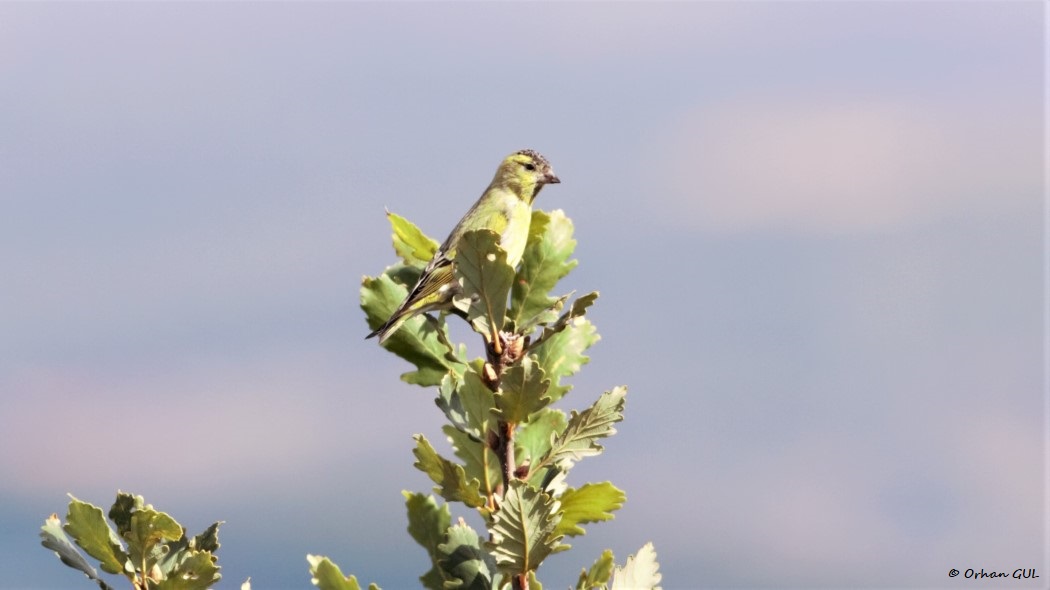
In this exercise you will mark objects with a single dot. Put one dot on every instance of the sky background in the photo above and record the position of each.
(817, 228)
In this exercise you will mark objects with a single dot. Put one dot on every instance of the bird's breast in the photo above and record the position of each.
(516, 233)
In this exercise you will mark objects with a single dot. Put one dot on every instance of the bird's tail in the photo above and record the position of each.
(391, 325)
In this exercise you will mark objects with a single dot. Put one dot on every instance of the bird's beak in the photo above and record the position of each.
(550, 178)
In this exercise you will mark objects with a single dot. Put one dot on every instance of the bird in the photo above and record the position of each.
(505, 208)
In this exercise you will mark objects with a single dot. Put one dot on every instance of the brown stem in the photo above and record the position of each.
(503, 351)
(506, 452)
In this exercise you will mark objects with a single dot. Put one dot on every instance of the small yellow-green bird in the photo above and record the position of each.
(505, 208)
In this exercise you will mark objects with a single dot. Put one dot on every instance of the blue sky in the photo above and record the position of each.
(817, 228)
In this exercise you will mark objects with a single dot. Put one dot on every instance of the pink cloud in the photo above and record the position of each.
(832, 166)
(202, 425)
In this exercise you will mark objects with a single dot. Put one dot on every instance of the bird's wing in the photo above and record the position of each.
(438, 273)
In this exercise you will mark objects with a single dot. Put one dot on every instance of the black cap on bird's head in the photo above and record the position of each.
(535, 161)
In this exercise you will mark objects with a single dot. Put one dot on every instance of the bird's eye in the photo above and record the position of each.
(530, 167)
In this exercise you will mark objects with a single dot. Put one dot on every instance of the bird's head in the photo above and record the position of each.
(525, 172)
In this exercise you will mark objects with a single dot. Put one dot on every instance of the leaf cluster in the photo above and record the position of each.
(146, 546)
(513, 449)
(559, 336)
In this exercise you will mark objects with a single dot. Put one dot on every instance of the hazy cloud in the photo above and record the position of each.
(837, 166)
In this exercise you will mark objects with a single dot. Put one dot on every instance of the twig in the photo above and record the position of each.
(502, 352)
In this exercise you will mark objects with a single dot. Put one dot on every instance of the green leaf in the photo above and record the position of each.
(417, 341)
(576, 310)
(477, 399)
(167, 557)
(522, 529)
(561, 355)
(450, 403)
(208, 540)
(411, 244)
(327, 576)
(553, 481)
(486, 277)
(433, 579)
(567, 319)
(479, 461)
(123, 507)
(545, 317)
(427, 524)
(450, 477)
(467, 566)
(54, 538)
(88, 527)
(521, 392)
(599, 574)
(467, 402)
(195, 570)
(640, 571)
(593, 502)
(179, 560)
(544, 263)
(579, 438)
(150, 528)
(579, 306)
(533, 439)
